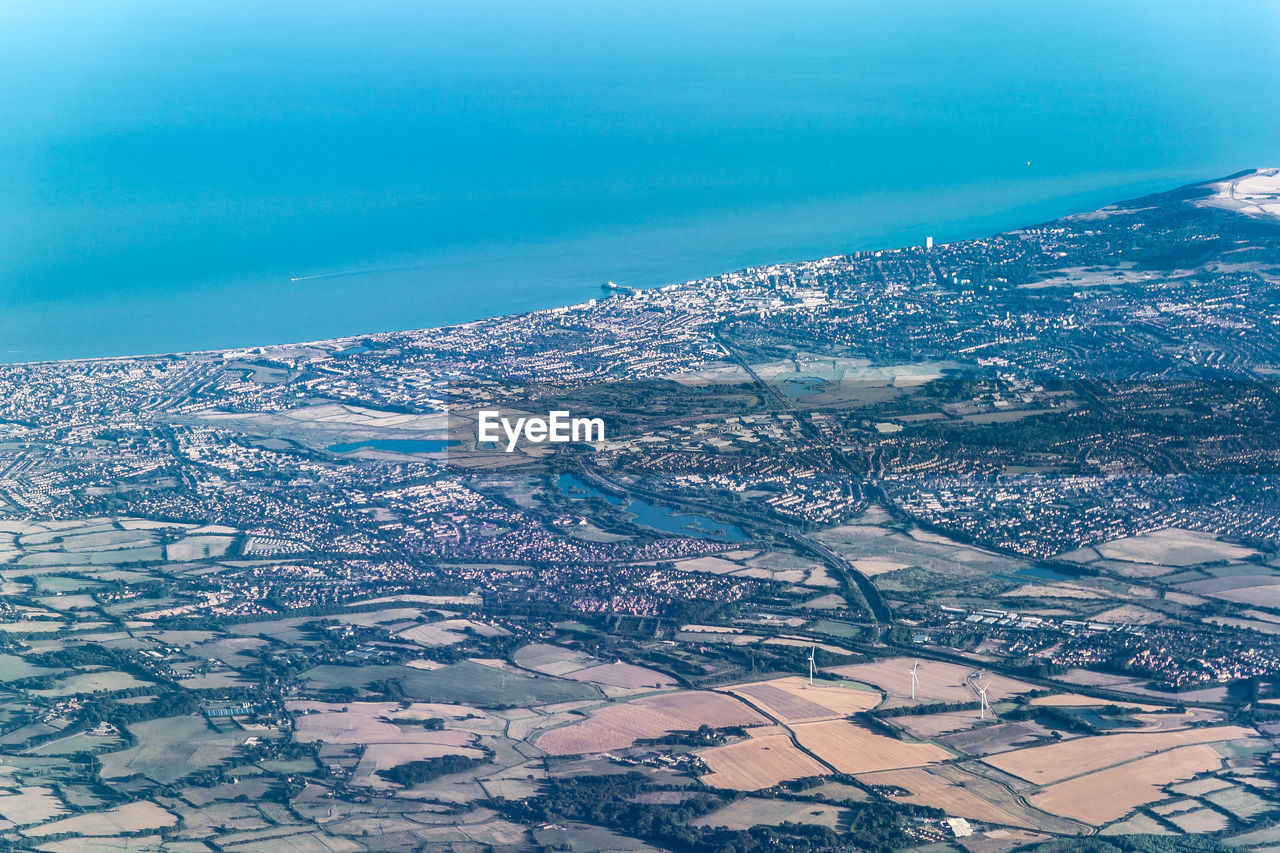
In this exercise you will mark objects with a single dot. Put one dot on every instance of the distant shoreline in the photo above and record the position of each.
(589, 293)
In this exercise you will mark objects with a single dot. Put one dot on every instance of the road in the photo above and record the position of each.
(880, 613)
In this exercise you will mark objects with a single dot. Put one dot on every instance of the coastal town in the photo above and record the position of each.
(860, 538)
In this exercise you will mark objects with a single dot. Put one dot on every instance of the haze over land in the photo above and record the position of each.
(969, 546)
(974, 546)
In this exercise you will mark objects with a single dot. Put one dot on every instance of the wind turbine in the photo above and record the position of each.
(983, 705)
(812, 649)
(915, 680)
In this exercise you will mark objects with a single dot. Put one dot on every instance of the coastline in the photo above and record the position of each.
(965, 231)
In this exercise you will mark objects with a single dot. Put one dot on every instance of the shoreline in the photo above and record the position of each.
(621, 292)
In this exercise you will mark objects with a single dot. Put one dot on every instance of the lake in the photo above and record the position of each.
(655, 517)
(219, 173)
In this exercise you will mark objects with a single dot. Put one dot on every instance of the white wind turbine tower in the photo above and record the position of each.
(812, 649)
(915, 680)
(983, 705)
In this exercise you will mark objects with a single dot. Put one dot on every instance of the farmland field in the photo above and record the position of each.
(1139, 824)
(983, 740)
(1200, 786)
(714, 565)
(1263, 594)
(1201, 821)
(78, 742)
(130, 817)
(851, 748)
(1134, 685)
(939, 793)
(1240, 802)
(369, 723)
(1044, 765)
(1110, 794)
(30, 805)
(784, 705)
(466, 682)
(624, 675)
(1267, 835)
(552, 660)
(874, 542)
(447, 632)
(753, 811)
(384, 756)
(1077, 700)
(792, 699)
(14, 668)
(938, 682)
(621, 725)
(198, 548)
(170, 748)
(761, 761)
(1172, 547)
(91, 682)
(692, 707)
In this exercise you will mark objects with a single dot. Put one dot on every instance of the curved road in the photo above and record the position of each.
(880, 613)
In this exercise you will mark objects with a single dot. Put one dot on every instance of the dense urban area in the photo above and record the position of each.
(969, 546)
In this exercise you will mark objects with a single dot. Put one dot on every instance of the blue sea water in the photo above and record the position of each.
(167, 169)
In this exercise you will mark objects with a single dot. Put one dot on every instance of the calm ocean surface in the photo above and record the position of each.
(167, 168)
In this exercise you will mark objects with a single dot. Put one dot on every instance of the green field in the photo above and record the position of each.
(171, 748)
(465, 682)
(14, 668)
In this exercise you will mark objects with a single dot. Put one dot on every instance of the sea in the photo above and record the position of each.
(229, 173)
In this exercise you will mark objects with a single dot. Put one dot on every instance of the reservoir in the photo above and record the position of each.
(657, 518)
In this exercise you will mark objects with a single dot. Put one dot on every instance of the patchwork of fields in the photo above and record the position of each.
(423, 709)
